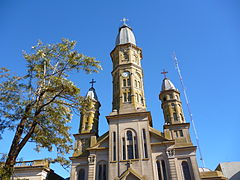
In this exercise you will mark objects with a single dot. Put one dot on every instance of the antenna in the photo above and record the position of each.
(188, 107)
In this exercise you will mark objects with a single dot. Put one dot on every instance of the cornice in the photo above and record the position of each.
(127, 44)
(130, 115)
(167, 126)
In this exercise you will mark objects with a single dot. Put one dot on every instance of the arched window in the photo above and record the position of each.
(176, 96)
(161, 170)
(128, 82)
(124, 148)
(129, 97)
(135, 83)
(129, 145)
(167, 118)
(182, 118)
(181, 133)
(135, 147)
(173, 106)
(164, 170)
(145, 143)
(81, 174)
(114, 146)
(139, 84)
(175, 117)
(164, 98)
(124, 97)
(141, 98)
(102, 171)
(186, 171)
(124, 83)
(137, 97)
(86, 125)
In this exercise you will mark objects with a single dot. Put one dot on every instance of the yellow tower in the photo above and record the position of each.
(175, 125)
(90, 115)
(88, 129)
(127, 74)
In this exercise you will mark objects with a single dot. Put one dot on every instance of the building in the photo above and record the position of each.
(34, 170)
(132, 149)
(231, 170)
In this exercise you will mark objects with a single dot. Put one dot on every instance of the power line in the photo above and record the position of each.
(188, 107)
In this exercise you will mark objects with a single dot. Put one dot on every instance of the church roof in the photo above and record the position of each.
(167, 85)
(102, 143)
(125, 35)
(92, 94)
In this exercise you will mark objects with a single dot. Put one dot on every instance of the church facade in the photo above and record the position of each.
(132, 149)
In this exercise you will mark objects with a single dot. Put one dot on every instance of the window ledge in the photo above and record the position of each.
(130, 160)
(113, 161)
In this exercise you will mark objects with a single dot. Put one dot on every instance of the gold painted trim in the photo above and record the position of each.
(98, 148)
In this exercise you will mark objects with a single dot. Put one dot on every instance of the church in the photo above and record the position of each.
(133, 149)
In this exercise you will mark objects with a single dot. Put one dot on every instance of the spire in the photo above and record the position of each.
(91, 92)
(167, 84)
(125, 34)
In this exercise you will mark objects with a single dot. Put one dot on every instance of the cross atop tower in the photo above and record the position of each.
(92, 82)
(164, 73)
(124, 20)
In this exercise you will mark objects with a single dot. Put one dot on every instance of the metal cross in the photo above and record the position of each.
(129, 164)
(92, 82)
(124, 20)
(164, 73)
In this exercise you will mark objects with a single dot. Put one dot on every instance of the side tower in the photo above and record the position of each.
(182, 156)
(87, 135)
(90, 116)
(175, 125)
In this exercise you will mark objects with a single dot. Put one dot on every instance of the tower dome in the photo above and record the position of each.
(125, 35)
(92, 94)
(167, 85)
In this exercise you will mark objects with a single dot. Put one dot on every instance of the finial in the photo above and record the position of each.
(92, 82)
(164, 73)
(124, 20)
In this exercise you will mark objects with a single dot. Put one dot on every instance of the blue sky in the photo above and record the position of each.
(204, 34)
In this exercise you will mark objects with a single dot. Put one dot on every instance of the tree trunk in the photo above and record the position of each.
(16, 145)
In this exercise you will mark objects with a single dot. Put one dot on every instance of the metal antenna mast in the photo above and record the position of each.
(188, 107)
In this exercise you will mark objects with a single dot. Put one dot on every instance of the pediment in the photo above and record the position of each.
(130, 174)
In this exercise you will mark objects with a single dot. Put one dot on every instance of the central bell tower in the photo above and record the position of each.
(127, 74)
(129, 122)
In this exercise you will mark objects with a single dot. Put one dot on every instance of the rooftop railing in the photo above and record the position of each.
(44, 163)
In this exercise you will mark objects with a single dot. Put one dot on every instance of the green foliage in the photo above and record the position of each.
(39, 105)
(7, 172)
